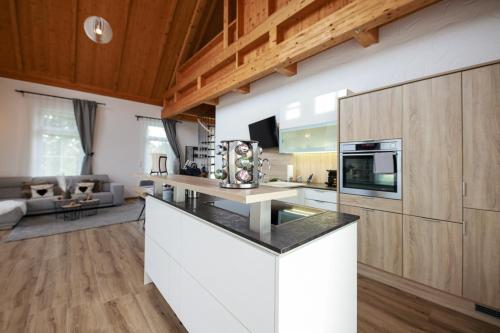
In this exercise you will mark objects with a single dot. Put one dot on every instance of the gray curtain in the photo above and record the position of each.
(170, 130)
(85, 113)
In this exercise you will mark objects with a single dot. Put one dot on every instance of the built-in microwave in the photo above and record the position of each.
(371, 168)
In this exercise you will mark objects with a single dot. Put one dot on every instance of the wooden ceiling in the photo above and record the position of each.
(43, 41)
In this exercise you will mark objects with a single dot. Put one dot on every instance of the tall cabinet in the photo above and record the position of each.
(432, 148)
(448, 235)
(481, 114)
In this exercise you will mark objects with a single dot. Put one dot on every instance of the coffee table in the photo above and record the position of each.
(71, 211)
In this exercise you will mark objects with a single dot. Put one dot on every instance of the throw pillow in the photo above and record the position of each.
(97, 184)
(84, 188)
(42, 191)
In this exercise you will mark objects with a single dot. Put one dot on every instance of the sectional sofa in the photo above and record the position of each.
(13, 190)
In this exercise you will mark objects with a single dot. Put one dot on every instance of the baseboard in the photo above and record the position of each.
(446, 300)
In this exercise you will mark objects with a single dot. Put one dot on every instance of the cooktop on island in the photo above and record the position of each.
(281, 212)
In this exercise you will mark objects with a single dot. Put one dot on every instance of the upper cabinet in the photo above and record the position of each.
(481, 112)
(320, 138)
(372, 116)
(432, 148)
(308, 107)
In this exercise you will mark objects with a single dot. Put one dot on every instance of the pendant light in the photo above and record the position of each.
(98, 29)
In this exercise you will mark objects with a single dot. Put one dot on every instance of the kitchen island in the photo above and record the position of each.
(219, 275)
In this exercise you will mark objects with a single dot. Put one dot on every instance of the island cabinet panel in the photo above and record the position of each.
(432, 253)
(482, 257)
(318, 282)
(165, 229)
(245, 277)
(371, 116)
(481, 112)
(202, 313)
(380, 241)
(432, 148)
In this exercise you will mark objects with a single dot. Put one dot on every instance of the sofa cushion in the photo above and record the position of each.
(40, 205)
(11, 187)
(11, 212)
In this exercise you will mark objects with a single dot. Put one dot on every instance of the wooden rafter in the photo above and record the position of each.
(165, 38)
(116, 79)
(366, 38)
(74, 45)
(203, 27)
(188, 38)
(16, 37)
(363, 17)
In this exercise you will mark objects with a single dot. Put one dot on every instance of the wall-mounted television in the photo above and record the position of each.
(265, 131)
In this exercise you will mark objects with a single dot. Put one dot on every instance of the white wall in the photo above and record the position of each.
(445, 36)
(117, 143)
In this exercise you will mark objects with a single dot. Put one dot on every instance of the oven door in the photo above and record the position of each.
(357, 176)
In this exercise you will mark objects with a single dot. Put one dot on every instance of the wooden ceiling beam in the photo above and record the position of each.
(203, 28)
(188, 38)
(74, 45)
(16, 36)
(289, 70)
(324, 33)
(243, 89)
(225, 24)
(164, 40)
(116, 79)
(366, 38)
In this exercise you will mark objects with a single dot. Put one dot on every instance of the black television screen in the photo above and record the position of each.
(265, 131)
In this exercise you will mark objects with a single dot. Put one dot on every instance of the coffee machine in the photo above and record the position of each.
(332, 178)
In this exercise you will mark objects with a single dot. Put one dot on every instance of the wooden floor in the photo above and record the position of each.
(92, 281)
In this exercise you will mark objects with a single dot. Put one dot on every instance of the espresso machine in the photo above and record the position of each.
(241, 164)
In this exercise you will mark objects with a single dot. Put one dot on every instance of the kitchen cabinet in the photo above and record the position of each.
(371, 116)
(481, 113)
(389, 205)
(319, 138)
(379, 238)
(482, 257)
(432, 148)
(432, 253)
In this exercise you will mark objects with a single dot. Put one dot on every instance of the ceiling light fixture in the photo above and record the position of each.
(98, 29)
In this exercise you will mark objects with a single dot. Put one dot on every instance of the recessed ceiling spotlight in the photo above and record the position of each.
(98, 29)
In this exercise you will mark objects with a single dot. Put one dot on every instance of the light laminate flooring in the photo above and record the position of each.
(92, 281)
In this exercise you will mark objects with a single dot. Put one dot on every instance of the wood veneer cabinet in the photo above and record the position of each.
(432, 148)
(371, 116)
(379, 238)
(482, 257)
(481, 112)
(432, 253)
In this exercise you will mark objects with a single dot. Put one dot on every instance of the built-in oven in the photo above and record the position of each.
(371, 168)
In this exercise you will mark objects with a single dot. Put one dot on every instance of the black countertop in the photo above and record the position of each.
(282, 238)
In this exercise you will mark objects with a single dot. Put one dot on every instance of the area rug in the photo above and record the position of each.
(45, 225)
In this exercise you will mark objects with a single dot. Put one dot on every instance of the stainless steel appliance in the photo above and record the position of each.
(371, 168)
(241, 164)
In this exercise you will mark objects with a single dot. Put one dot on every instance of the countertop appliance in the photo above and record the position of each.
(332, 178)
(241, 164)
(281, 212)
(371, 168)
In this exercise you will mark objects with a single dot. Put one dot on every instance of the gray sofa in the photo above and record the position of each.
(11, 188)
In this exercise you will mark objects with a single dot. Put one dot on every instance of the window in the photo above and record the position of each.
(56, 147)
(156, 143)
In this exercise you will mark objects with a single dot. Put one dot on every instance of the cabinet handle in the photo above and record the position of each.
(464, 228)
(464, 189)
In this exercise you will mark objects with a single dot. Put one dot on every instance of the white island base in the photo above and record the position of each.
(218, 282)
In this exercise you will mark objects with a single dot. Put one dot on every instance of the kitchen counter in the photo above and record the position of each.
(282, 184)
(282, 238)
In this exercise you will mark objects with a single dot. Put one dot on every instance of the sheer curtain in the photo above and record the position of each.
(155, 142)
(55, 144)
